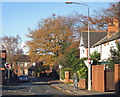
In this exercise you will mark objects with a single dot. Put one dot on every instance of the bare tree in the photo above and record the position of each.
(11, 44)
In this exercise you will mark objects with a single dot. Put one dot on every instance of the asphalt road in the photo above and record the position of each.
(36, 86)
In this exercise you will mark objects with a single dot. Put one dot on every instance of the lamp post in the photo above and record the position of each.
(60, 66)
(89, 67)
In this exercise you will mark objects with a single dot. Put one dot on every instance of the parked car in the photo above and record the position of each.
(23, 78)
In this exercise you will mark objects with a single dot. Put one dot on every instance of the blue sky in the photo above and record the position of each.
(17, 17)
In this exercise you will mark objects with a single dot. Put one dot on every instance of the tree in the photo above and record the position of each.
(50, 36)
(95, 56)
(115, 56)
(11, 45)
(39, 67)
(100, 18)
(72, 60)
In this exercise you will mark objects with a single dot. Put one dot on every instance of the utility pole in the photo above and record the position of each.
(89, 60)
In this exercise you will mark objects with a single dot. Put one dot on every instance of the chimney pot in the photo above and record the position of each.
(114, 18)
(109, 21)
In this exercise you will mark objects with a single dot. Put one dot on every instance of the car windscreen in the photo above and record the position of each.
(22, 76)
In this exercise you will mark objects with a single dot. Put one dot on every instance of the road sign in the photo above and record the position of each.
(7, 66)
(88, 62)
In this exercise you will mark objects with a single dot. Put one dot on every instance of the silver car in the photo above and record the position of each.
(23, 78)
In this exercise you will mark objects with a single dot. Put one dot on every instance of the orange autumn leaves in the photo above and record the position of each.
(50, 35)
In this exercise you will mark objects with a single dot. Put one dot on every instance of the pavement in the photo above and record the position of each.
(68, 88)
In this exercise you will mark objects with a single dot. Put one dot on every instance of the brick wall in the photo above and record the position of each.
(94, 78)
(66, 77)
(82, 83)
(117, 78)
(98, 78)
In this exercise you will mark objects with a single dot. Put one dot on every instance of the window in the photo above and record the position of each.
(104, 44)
(117, 40)
(83, 51)
(20, 64)
(25, 64)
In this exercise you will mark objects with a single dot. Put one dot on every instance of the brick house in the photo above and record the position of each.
(21, 65)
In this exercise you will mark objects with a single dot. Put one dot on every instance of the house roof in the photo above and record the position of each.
(94, 37)
(106, 39)
(22, 58)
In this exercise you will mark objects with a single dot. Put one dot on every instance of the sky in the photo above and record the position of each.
(17, 17)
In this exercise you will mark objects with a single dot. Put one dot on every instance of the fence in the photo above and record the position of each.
(105, 80)
(109, 80)
(102, 80)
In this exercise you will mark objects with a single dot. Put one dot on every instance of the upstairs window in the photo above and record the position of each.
(20, 64)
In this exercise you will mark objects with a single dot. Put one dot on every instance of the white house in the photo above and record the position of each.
(102, 42)
(109, 42)
(94, 38)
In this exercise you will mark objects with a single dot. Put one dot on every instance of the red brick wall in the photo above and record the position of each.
(66, 77)
(71, 80)
(94, 78)
(82, 83)
(117, 78)
(98, 78)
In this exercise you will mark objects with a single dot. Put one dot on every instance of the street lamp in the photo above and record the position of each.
(60, 66)
(89, 67)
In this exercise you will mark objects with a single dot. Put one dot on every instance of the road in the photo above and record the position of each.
(36, 86)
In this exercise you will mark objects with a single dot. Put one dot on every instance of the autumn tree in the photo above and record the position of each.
(11, 44)
(52, 33)
(100, 18)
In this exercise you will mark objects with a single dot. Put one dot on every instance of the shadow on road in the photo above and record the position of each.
(105, 95)
(14, 88)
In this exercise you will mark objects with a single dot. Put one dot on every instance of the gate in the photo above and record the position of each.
(109, 80)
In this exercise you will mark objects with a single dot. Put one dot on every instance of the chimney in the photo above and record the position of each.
(116, 23)
(113, 27)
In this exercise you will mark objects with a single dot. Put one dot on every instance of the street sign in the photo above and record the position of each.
(7, 66)
(88, 62)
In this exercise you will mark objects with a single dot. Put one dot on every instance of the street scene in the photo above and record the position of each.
(60, 49)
